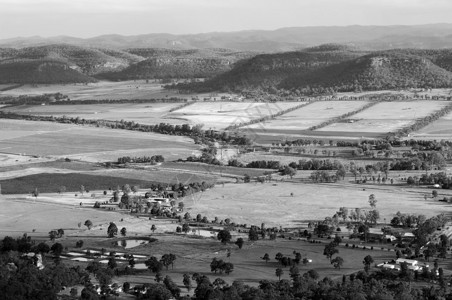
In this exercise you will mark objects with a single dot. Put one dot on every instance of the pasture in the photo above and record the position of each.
(88, 143)
(138, 89)
(385, 117)
(219, 115)
(143, 113)
(132, 89)
(438, 130)
(254, 203)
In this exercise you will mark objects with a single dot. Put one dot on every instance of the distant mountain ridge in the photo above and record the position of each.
(430, 36)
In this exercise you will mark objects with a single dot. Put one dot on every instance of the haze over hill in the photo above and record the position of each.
(284, 39)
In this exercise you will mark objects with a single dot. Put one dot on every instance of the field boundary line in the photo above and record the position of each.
(344, 116)
(269, 117)
(188, 103)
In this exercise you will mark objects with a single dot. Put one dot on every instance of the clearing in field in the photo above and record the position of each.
(385, 117)
(311, 115)
(88, 143)
(143, 113)
(219, 115)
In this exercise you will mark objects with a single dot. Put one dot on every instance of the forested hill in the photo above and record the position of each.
(40, 72)
(331, 68)
(62, 63)
(268, 70)
(376, 71)
(167, 63)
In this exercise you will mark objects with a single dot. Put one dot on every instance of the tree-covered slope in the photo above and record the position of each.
(267, 70)
(380, 70)
(169, 63)
(40, 71)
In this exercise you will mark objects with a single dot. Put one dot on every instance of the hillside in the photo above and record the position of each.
(40, 71)
(170, 63)
(86, 60)
(268, 70)
(376, 71)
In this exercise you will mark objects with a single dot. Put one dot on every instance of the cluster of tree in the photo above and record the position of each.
(141, 160)
(156, 266)
(33, 100)
(120, 101)
(56, 234)
(21, 279)
(218, 265)
(425, 229)
(407, 220)
(323, 176)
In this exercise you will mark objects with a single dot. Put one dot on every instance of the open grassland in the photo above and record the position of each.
(438, 130)
(385, 117)
(193, 254)
(219, 115)
(133, 89)
(311, 115)
(88, 143)
(143, 113)
(99, 90)
(271, 202)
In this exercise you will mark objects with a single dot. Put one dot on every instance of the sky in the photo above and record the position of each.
(88, 18)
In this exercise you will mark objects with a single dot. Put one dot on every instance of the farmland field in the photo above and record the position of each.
(219, 115)
(385, 117)
(271, 202)
(82, 142)
(143, 113)
(311, 115)
(438, 130)
(136, 89)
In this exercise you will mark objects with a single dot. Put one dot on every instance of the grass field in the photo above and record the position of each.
(387, 116)
(219, 115)
(271, 202)
(143, 113)
(311, 115)
(100, 90)
(88, 143)
(134, 89)
(438, 130)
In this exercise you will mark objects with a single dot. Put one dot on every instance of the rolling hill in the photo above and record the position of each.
(40, 71)
(169, 63)
(269, 70)
(375, 71)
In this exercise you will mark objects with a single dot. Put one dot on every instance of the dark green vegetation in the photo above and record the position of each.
(51, 183)
(334, 68)
(40, 71)
(62, 63)
(166, 63)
